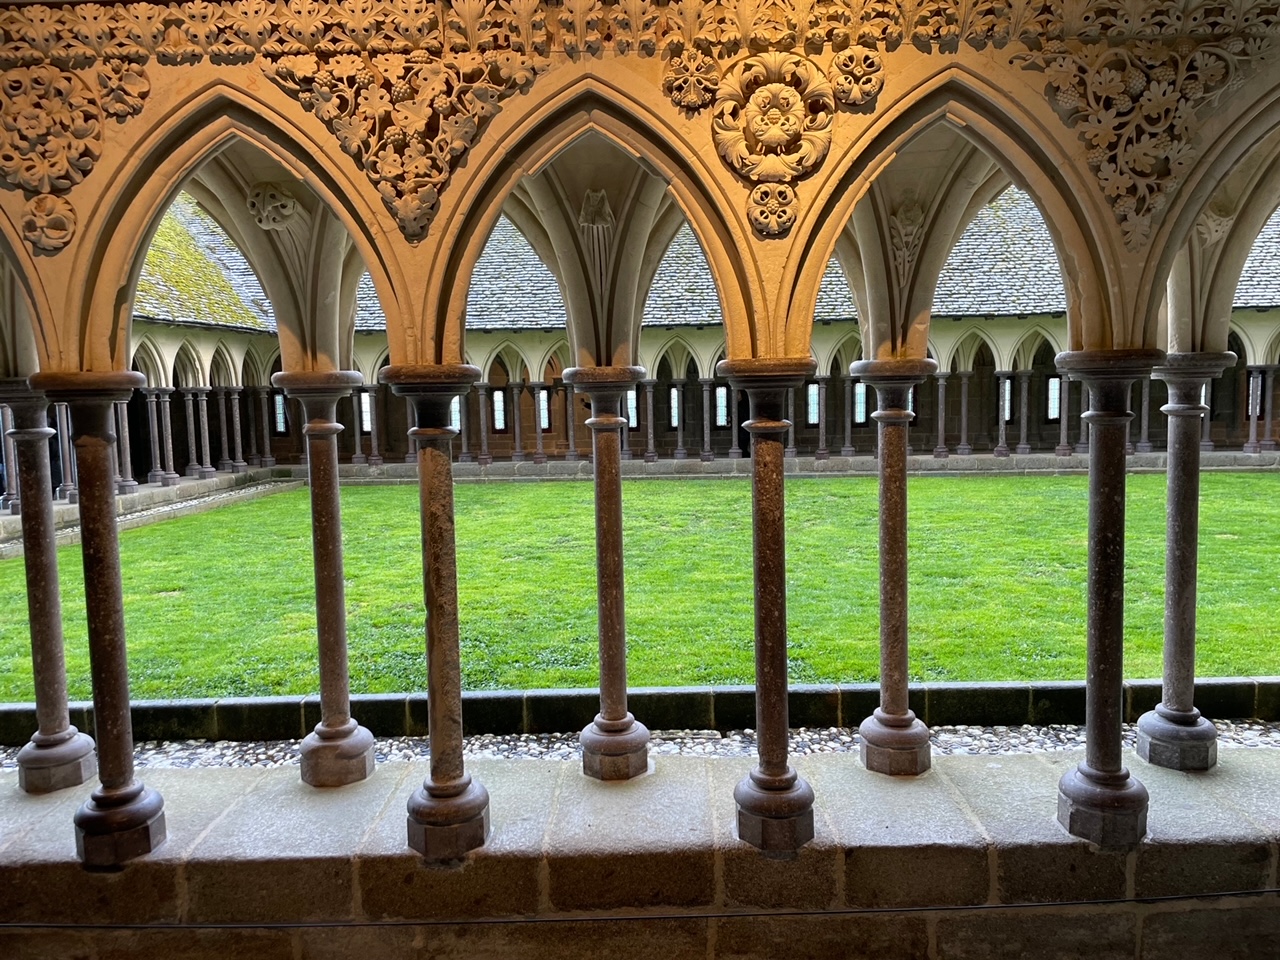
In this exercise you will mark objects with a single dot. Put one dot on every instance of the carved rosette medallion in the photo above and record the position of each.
(857, 76)
(691, 80)
(48, 222)
(772, 124)
(772, 209)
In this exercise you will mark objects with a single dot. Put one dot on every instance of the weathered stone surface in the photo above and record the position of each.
(1015, 934)
(883, 936)
(1244, 928)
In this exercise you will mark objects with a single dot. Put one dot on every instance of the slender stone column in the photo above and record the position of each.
(127, 484)
(464, 423)
(1174, 734)
(238, 465)
(790, 451)
(206, 469)
(339, 750)
(1098, 800)
(411, 413)
(9, 456)
(482, 392)
(1268, 398)
(1253, 399)
(375, 436)
(357, 421)
(571, 423)
(1064, 448)
(153, 422)
(168, 476)
(225, 463)
(1082, 443)
(66, 459)
(822, 453)
(122, 819)
(707, 455)
(1144, 437)
(735, 451)
(539, 451)
(893, 740)
(57, 755)
(1024, 386)
(963, 448)
(614, 745)
(251, 431)
(626, 431)
(940, 451)
(1002, 448)
(268, 460)
(680, 454)
(193, 458)
(847, 450)
(650, 450)
(775, 806)
(517, 422)
(449, 813)
(1206, 437)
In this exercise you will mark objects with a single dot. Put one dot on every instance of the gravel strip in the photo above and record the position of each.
(699, 743)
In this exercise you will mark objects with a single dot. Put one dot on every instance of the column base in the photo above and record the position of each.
(735, 454)
(1107, 809)
(1022, 449)
(255, 461)
(941, 453)
(45, 767)
(790, 453)
(111, 834)
(1251, 448)
(359, 460)
(193, 470)
(517, 458)
(706, 457)
(337, 757)
(123, 487)
(447, 827)
(626, 455)
(207, 473)
(964, 450)
(377, 461)
(155, 476)
(893, 745)
(1064, 450)
(1144, 447)
(1206, 446)
(225, 466)
(239, 466)
(169, 480)
(651, 457)
(1177, 741)
(539, 458)
(615, 749)
(462, 458)
(484, 459)
(775, 819)
(681, 455)
(846, 451)
(571, 456)
(822, 455)
(1082, 448)
(1001, 452)
(1268, 446)
(268, 461)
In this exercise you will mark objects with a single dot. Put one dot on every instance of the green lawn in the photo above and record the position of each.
(221, 603)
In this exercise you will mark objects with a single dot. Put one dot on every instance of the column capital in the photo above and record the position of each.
(779, 372)
(1201, 367)
(1003, 374)
(93, 387)
(906, 372)
(964, 374)
(941, 375)
(707, 381)
(431, 389)
(589, 378)
(18, 390)
(316, 383)
(1104, 365)
(1023, 374)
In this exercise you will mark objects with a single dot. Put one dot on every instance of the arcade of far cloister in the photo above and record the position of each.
(330, 141)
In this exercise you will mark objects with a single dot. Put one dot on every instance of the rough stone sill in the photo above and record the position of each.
(260, 847)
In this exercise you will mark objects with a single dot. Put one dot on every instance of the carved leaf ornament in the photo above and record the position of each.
(407, 86)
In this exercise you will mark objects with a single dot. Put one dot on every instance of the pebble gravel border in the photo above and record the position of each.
(947, 741)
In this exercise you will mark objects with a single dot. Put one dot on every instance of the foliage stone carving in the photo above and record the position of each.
(48, 222)
(773, 117)
(772, 209)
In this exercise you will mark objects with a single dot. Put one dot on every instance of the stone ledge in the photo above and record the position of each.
(260, 847)
(659, 708)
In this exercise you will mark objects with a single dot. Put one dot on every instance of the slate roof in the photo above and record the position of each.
(1003, 265)
(194, 274)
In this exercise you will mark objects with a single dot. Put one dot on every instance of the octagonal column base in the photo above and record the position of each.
(112, 829)
(615, 749)
(44, 767)
(1107, 809)
(336, 756)
(895, 745)
(446, 822)
(774, 814)
(1177, 741)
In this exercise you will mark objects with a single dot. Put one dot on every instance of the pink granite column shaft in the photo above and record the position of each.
(339, 751)
(1064, 448)
(963, 448)
(126, 484)
(486, 458)
(1002, 427)
(940, 451)
(57, 755)
(156, 473)
(448, 815)
(775, 805)
(650, 450)
(66, 456)
(238, 464)
(894, 741)
(1024, 386)
(1098, 800)
(822, 453)
(1174, 734)
(123, 818)
(614, 745)
(268, 460)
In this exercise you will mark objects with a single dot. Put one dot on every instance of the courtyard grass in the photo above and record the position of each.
(221, 604)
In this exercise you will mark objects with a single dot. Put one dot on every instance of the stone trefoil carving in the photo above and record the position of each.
(272, 206)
